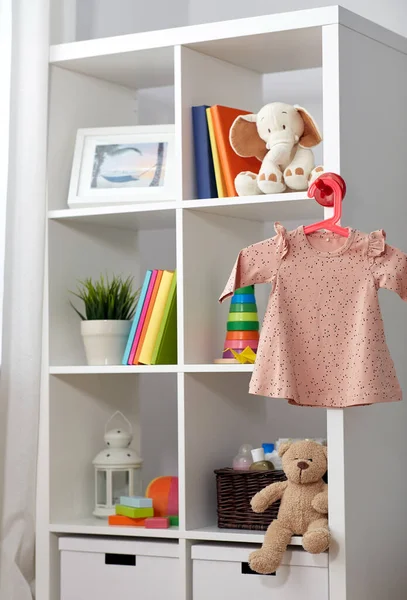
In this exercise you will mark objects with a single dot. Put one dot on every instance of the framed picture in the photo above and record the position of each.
(122, 165)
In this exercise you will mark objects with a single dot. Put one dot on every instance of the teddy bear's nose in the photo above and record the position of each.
(302, 465)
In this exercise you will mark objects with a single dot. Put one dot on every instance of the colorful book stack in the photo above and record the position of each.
(243, 323)
(216, 163)
(153, 335)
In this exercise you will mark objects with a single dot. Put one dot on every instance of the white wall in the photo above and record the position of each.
(86, 19)
(389, 13)
(102, 18)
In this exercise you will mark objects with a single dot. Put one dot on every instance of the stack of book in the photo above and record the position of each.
(153, 335)
(216, 163)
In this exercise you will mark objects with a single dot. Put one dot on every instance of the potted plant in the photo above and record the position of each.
(106, 320)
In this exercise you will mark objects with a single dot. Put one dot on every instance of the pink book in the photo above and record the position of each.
(142, 317)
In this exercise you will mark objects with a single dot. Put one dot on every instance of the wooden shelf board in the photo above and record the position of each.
(214, 533)
(157, 215)
(112, 370)
(95, 526)
(293, 205)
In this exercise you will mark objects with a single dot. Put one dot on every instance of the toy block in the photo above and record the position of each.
(246, 298)
(126, 521)
(242, 325)
(157, 523)
(134, 513)
(136, 501)
(174, 520)
(243, 307)
(249, 289)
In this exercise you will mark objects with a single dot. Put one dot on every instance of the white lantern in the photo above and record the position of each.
(117, 469)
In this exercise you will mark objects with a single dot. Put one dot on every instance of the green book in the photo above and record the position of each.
(134, 513)
(165, 349)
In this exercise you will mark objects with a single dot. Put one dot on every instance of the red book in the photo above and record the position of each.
(148, 317)
(231, 164)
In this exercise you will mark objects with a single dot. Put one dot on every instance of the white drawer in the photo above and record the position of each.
(102, 569)
(220, 573)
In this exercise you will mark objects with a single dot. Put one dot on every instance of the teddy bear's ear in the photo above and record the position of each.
(283, 448)
(325, 449)
(244, 138)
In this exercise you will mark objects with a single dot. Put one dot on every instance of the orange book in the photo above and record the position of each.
(231, 163)
(148, 317)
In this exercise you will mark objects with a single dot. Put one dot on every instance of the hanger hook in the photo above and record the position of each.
(323, 189)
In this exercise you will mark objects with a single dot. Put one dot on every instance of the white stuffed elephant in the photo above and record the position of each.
(281, 137)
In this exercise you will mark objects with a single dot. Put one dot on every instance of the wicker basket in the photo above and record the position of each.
(235, 489)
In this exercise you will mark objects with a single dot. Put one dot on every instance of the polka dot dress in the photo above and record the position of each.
(322, 341)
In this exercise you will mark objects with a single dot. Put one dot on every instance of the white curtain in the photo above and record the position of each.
(24, 35)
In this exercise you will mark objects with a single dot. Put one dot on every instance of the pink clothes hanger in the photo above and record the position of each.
(328, 189)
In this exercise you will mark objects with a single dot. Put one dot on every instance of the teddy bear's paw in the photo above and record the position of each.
(315, 173)
(259, 503)
(316, 541)
(246, 184)
(271, 183)
(264, 561)
(296, 178)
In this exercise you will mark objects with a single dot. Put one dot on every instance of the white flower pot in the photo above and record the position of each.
(105, 341)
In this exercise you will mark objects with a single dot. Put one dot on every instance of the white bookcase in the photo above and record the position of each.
(191, 418)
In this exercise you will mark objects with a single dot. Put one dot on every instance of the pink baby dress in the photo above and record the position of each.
(322, 341)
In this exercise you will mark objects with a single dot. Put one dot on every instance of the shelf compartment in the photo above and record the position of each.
(79, 410)
(265, 44)
(116, 61)
(78, 250)
(220, 416)
(94, 526)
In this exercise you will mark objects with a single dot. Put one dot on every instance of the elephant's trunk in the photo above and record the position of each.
(280, 145)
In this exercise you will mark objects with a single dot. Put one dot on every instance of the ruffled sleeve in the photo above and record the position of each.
(281, 239)
(376, 244)
(258, 263)
(387, 264)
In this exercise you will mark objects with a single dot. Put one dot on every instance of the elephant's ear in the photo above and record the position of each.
(311, 136)
(244, 138)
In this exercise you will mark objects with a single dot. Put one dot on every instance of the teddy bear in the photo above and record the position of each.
(281, 137)
(304, 505)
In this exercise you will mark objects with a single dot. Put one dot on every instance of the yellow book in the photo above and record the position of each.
(147, 350)
(220, 182)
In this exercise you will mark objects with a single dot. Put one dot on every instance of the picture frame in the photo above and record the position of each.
(122, 165)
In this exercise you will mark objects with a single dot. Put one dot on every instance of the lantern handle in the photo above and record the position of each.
(118, 412)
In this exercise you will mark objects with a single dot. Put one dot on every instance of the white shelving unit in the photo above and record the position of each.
(191, 418)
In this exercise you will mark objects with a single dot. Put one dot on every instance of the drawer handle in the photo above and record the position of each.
(129, 560)
(246, 570)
